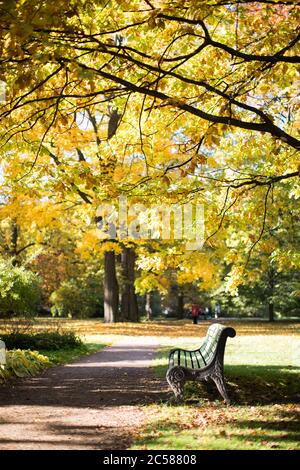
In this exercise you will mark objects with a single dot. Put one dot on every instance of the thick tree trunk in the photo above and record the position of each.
(148, 308)
(180, 311)
(111, 288)
(271, 311)
(129, 305)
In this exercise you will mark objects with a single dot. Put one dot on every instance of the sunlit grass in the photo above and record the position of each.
(167, 328)
(216, 427)
(66, 355)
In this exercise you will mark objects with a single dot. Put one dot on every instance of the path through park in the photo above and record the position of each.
(93, 403)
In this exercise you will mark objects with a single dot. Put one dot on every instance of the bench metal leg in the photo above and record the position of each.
(219, 381)
(176, 379)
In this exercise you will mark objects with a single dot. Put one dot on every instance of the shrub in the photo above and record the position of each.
(20, 292)
(79, 298)
(23, 364)
(41, 341)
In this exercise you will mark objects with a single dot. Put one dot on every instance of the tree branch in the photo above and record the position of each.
(84, 196)
(267, 126)
(267, 182)
(263, 226)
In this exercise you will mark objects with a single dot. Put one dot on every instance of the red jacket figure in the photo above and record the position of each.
(195, 312)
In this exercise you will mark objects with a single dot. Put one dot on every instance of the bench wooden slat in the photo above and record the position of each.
(192, 360)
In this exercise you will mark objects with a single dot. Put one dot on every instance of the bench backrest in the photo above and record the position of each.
(210, 343)
(203, 356)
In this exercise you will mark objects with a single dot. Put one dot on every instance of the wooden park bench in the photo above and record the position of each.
(205, 363)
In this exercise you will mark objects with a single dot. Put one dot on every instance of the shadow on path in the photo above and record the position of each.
(93, 403)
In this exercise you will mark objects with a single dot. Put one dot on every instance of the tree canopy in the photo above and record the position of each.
(162, 101)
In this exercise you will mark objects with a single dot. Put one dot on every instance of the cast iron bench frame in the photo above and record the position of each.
(205, 363)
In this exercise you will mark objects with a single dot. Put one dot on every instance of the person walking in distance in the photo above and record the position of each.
(218, 311)
(195, 313)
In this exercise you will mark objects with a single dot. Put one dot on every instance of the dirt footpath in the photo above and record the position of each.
(93, 403)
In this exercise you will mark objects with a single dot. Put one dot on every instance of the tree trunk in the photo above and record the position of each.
(14, 242)
(271, 278)
(148, 308)
(129, 305)
(180, 311)
(111, 288)
(271, 311)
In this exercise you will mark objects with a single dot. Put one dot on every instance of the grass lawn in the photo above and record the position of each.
(163, 328)
(63, 356)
